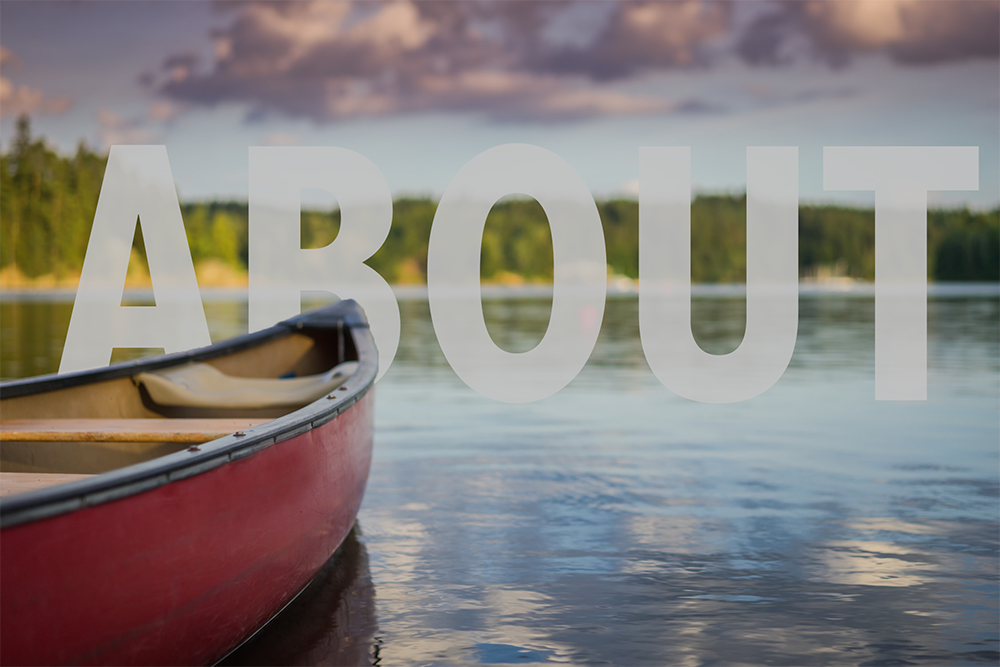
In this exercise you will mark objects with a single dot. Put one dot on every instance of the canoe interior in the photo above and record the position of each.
(50, 437)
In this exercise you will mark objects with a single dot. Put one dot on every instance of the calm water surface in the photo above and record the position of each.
(615, 523)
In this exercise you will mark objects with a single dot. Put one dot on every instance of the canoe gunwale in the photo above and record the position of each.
(345, 316)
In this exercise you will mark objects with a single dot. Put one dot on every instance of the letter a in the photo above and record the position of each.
(137, 184)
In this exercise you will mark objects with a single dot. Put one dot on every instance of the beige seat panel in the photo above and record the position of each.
(200, 385)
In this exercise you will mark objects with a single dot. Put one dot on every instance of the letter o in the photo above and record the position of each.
(579, 273)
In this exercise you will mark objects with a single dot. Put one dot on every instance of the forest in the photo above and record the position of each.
(48, 201)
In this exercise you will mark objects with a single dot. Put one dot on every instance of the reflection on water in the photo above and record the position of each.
(615, 523)
(332, 622)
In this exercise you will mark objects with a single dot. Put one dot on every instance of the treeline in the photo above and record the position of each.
(47, 205)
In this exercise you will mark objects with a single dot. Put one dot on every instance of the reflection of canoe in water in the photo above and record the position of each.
(131, 537)
(333, 621)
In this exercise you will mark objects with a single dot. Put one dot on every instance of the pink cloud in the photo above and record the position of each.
(910, 32)
(333, 61)
(541, 61)
(22, 99)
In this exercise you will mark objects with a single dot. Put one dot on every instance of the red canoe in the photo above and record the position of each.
(161, 511)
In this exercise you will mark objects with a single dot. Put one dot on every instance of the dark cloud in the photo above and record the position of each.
(910, 32)
(766, 96)
(643, 36)
(508, 60)
(552, 60)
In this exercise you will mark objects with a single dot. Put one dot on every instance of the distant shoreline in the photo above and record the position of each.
(210, 293)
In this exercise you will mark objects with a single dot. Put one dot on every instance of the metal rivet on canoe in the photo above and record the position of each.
(298, 325)
(343, 389)
(239, 434)
(194, 448)
(332, 396)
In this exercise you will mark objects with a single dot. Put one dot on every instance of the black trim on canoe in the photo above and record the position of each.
(345, 317)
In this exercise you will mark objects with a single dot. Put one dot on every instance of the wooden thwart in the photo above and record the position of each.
(22, 482)
(122, 430)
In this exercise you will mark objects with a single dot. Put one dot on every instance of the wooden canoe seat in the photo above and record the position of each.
(22, 482)
(121, 430)
(201, 385)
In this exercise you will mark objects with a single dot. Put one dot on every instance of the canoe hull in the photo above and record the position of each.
(184, 572)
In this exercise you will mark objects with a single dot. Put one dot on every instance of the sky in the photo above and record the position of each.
(420, 88)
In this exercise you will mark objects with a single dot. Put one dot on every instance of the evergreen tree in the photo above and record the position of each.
(48, 201)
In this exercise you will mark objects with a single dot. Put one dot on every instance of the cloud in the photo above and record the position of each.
(910, 32)
(281, 139)
(506, 60)
(162, 111)
(538, 61)
(136, 128)
(21, 99)
(643, 36)
(766, 96)
(115, 130)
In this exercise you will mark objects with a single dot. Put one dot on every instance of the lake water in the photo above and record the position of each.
(616, 523)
